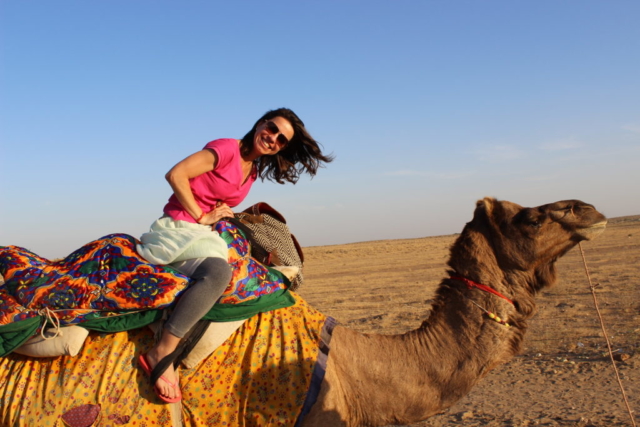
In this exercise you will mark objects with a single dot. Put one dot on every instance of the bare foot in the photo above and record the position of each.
(166, 389)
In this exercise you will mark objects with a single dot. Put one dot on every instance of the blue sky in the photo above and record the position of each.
(427, 105)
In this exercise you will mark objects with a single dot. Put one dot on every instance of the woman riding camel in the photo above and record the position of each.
(206, 185)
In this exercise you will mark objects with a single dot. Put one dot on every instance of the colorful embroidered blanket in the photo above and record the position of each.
(259, 377)
(107, 286)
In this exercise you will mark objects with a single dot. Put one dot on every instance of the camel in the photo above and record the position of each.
(500, 261)
(503, 257)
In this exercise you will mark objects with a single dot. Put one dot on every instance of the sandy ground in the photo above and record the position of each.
(564, 376)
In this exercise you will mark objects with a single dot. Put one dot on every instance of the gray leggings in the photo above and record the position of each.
(212, 277)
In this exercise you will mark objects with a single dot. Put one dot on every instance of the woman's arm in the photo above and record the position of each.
(178, 177)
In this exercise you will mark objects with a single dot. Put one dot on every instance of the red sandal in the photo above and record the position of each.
(147, 369)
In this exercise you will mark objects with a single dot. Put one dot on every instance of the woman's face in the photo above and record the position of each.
(272, 136)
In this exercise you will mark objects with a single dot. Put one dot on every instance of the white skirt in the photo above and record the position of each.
(170, 241)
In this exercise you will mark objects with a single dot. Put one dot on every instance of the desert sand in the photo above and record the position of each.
(564, 375)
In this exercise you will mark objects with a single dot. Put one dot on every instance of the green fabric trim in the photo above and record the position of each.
(123, 322)
(15, 334)
(247, 309)
(244, 310)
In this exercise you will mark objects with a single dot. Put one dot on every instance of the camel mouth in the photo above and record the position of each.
(593, 231)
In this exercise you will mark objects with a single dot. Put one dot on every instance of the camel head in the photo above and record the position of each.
(505, 241)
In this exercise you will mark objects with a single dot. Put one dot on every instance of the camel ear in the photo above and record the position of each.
(486, 204)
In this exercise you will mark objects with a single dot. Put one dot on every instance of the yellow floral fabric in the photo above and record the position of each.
(258, 377)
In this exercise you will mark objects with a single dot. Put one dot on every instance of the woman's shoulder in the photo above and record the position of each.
(224, 144)
(227, 150)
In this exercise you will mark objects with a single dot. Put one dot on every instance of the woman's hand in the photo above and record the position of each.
(221, 211)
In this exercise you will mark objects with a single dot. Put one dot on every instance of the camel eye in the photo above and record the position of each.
(531, 219)
(534, 222)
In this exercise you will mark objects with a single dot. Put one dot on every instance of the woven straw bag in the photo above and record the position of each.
(273, 244)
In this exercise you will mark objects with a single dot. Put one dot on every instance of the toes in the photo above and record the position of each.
(165, 390)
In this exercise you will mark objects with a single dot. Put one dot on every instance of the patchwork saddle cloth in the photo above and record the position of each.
(107, 286)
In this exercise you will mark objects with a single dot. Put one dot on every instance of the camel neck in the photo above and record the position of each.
(427, 369)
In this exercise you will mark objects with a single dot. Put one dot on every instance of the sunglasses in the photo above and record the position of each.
(273, 129)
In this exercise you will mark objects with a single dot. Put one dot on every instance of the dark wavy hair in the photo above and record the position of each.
(301, 155)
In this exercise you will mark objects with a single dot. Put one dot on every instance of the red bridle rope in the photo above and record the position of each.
(471, 284)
